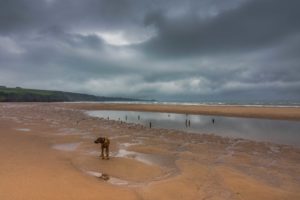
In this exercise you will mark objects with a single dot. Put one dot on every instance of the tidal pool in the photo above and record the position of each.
(67, 146)
(277, 131)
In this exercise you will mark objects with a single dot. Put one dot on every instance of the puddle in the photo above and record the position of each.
(144, 158)
(119, 136)
(116, 181)
(127, 144)
(166, 162)
(67, 146)
(149, 159)
(23, 129)
(112, 180)
(92, 173)
(123, 153)
(93, 153)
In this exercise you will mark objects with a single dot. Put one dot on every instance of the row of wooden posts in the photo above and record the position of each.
(187, 121)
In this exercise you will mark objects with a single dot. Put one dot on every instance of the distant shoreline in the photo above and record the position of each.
(282, 113)
(292, 105)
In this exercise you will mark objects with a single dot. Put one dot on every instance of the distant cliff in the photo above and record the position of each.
(31, 95)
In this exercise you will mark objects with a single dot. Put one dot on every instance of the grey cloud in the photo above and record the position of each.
(22, 15)
(17, 16)
(254, 24)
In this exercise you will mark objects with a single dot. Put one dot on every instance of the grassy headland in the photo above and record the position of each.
(32, 95)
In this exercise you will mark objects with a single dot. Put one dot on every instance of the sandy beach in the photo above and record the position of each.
(47, 151)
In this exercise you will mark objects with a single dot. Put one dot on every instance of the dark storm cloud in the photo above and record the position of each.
(29, 15)
(17, 16)
(255, 24)
(189, 50)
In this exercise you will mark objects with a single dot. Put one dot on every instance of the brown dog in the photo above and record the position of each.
(104, 146)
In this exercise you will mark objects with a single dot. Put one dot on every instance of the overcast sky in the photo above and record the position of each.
(188, 50)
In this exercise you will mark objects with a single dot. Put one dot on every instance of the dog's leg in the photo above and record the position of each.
(107, 152)
(102, 153)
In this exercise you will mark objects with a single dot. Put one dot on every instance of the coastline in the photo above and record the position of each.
(283, 113)
(48, 153)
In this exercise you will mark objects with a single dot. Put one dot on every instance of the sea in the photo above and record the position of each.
(282, 103)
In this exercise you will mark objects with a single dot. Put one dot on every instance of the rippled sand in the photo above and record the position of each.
(47, 152)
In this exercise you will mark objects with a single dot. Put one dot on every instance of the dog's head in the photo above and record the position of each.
(100, 140)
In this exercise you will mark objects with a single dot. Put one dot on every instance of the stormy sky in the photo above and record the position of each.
(174, 50)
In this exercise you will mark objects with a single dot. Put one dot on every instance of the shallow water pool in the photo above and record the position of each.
(277, 131)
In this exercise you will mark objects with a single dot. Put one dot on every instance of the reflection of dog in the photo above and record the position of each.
(104, 146)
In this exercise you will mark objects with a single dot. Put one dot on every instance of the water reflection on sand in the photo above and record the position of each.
(67, 146)
(278, 131)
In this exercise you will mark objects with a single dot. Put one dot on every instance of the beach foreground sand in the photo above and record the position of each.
(47, 152)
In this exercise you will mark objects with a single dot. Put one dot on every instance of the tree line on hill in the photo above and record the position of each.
(31, 95)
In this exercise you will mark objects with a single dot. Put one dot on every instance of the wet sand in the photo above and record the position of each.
(47, 152)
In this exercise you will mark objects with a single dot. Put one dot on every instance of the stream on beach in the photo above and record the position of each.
(276, 131)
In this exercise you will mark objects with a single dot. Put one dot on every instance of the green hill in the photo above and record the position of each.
(31, 95)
